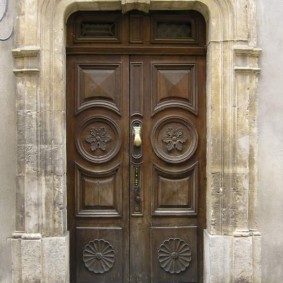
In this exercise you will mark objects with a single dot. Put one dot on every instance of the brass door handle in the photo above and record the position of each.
(136, 142)
(137, 136)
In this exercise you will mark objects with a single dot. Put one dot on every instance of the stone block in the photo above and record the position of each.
(217, 258)
(257, 259)
(55, 259)
(31, 122)
(59, 126)
(31, 261)
(20, 83)
(242, 260)
(46, 123)
(31, 159)
(16, 260)
(59, 159)
(59, 205)
(31, 84)
(31, 203)
(20, 203)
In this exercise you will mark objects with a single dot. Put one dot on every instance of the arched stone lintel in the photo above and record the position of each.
(217, 15)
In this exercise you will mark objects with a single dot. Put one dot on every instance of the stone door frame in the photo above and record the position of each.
(40, 246)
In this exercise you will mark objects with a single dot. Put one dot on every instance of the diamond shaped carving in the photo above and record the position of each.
(173, 85)
(99, 86)
(100, 83)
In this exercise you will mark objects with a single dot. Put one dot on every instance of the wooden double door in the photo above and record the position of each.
(136, 140)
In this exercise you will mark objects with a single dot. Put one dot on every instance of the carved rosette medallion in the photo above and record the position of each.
(174, 255)
(98, 256)
(174, 139)
(98, 139)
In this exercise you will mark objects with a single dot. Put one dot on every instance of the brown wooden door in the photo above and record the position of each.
(136, 141)
(136, 212)
(166, 210)
(98, 167)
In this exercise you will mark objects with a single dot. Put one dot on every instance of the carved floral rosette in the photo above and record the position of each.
(174, 139)
(174, 255)
(98, 256)
(98, 139)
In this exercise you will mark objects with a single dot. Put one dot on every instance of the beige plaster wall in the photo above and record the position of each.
(7, 153)
(270, 162)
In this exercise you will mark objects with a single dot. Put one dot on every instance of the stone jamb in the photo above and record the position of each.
(232, 74)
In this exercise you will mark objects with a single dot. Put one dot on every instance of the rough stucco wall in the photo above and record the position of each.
(270, 198)
(7, 151)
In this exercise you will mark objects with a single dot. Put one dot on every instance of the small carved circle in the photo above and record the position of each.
(98, 139)
(98, 256)
(174, 255)
(174, 139)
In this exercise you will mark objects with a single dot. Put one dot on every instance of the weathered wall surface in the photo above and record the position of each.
(270, 162)
(7, 144)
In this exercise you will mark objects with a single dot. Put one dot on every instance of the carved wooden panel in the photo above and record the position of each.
(98, 194)
(137, 28)
(99, 85)
(98, 30)
(98, 139)
(174, 85)
(99, 254)
(97, 135)
(165, 30)
(170, 29)
(136, 88)
(103, 27)
(174, 139)
(175, 191)
(174, 254)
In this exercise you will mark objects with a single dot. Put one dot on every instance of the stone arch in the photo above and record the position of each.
(232, 68)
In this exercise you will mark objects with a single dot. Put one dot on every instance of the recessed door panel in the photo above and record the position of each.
(175, 193)
(174, 84)
(174, 254)
(99, 194)
(99, 254)
(99, 84)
